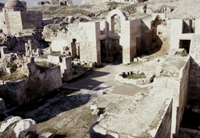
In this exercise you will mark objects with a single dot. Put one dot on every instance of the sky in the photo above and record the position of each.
(34, 2)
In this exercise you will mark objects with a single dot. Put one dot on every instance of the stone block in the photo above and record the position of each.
(95, 112)
(93, 107)
(111, 134)
(24, 127)
(149, 78)
(46, 135)
(9, 70)
(9, 120)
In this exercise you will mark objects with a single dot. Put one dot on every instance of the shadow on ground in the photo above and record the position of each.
(87, 81)
(51, 105)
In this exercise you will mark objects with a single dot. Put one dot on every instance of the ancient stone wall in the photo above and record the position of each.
(135, 33)
(43, 3)
(11, 22)
(31, 19)
(160, 34)
(184, 85)
(36, 85)
(144, 39)
(123, 1)
(164, 129)
(176, 31)
(175, 88)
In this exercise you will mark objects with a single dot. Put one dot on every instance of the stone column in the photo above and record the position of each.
(68, 73)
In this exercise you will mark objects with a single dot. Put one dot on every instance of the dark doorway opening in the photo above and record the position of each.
(111, 51)
(185, 44)
(103, 50)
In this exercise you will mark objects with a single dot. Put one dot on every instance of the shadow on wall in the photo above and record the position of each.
(155, 40)
(191, 116)
(150, 40)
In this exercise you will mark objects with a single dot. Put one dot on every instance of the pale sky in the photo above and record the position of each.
(34, 2)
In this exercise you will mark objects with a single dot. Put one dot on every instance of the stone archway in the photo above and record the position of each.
(111, 18)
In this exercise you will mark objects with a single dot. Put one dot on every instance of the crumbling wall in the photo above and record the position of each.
(184, 85)
(43, 3)
(160, 34)
(36, 85)
(54, 2)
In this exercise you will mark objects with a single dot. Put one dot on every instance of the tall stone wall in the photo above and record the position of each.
(10, 22)
(135, 33)
(36, 85)
(184, 85)
(31, 19)
(175, 88)
(89, 47)
(15, 22)
(175, 32)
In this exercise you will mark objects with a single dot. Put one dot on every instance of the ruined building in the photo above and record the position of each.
(123, 1)
(15, 19)
(61, 2)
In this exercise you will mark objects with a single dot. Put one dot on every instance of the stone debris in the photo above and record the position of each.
(25, 127)
(8, 121)
(46, 135)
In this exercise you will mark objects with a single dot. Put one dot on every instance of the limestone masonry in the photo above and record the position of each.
(130, 71)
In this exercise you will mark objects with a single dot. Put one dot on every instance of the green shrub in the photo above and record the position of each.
(136, 76)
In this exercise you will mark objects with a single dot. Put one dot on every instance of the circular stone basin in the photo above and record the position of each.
(134, 78)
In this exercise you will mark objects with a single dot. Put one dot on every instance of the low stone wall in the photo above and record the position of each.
(36, 85)
(121, 78)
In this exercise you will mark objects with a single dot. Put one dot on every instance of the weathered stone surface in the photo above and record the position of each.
(24, 127)
(46, 135)
(9, 120)
(93, 107)
(95, 112)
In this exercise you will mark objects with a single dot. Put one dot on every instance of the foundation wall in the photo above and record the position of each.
(35, 86)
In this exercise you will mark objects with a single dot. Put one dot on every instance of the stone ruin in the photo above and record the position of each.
(122, 1)
(94, 43)
(55, 2)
